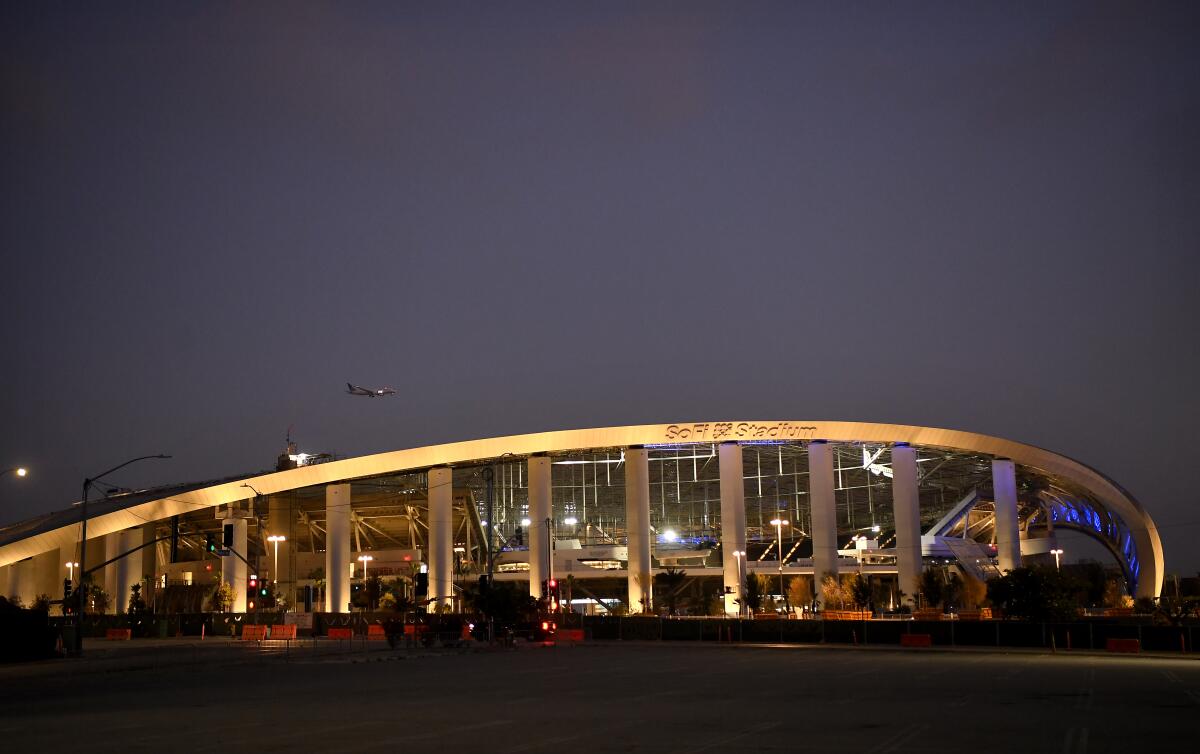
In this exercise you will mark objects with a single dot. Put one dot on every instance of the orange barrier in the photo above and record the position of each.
(340, 633)
(118, 634)
(570, 634)
(375, 631)
(916, 640)
(283, 632)
(254, 633)
(1131, 646)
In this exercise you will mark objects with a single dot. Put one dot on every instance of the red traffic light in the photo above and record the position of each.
(553, 583)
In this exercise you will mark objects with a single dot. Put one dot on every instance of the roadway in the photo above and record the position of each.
(611, 697)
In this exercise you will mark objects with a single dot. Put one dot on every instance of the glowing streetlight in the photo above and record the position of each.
(364, 559)
(18, 470)
(570, 521)
(526, 522)
(1056, 553)
(276, 539)
(779, 523)
(670, 535)
(71, 570)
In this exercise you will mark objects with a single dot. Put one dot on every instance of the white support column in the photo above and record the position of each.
(1008, 536)
(129, 568)
(112, 548)
(637, 524)
(337, 548)
(279, 524)
(733, 524)
(824, 513)
(906, 508)
(233, 568)
(149, 566)
(24, 585)
(441, 537)
(539, 511)
(20, 581)
(46, 578)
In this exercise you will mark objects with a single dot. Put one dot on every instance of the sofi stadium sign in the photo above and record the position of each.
(713, 431)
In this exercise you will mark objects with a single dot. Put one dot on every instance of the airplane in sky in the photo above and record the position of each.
(368, 391)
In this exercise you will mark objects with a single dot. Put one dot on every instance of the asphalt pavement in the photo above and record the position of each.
(602, 697)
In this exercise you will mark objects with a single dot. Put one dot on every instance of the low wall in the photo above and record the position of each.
(1090, 634)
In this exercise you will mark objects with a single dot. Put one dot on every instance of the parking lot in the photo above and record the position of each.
(620, 697)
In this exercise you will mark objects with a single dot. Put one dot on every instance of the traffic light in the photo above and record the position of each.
(227, 536)
(66, 589)
(209, 544)
(422, 584)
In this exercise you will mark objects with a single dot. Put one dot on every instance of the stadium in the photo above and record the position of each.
(607, 508)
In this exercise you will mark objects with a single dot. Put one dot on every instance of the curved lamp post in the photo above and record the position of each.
(83, 517)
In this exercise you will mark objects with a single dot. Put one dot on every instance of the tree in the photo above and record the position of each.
(1114, 594)
(503, 601)
(831, 593)
(1035, 593)
(952, 593)
(933, 586)
(98, 599)
(974, 593)
(859, 588)
(222, 598)
(669, 583)
(800, 591)
(137, 605)
(752, 595)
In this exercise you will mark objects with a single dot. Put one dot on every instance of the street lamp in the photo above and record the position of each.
(18, 470)
(741, 597)
(779, 523)
(71, 570)
(365, 560)
(1056, 553)
(276, 539)
(83, 518)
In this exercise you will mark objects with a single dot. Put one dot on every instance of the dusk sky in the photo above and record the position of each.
(528, 217)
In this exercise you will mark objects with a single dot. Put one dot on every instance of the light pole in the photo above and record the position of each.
(83, 517)
(741, 597)
(1056, 553)
(71, 570)
(779, 523)
(276, 539)
(18, 470)
(366, 588)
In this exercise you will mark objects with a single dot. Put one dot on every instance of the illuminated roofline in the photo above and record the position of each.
(1105, 491)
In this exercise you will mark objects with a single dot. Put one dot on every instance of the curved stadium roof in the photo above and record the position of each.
(1137, 539)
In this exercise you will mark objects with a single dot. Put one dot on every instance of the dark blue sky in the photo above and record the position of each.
(976, 216)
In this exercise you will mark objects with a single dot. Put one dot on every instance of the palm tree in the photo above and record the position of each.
(669, 584)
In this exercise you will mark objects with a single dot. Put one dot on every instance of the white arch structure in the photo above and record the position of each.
(1104, 490)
